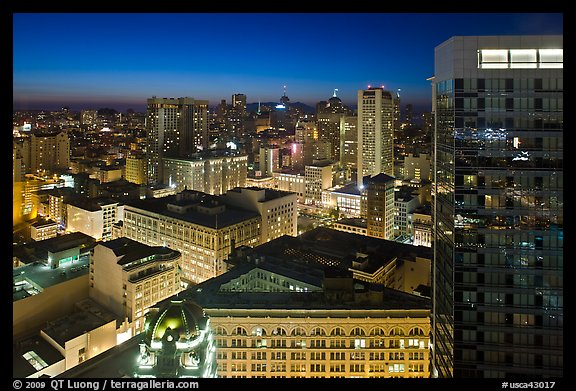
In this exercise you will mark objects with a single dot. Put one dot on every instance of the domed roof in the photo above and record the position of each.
(183, 318)
(335, 100)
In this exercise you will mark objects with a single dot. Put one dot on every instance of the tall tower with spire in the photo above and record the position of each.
(284, 99)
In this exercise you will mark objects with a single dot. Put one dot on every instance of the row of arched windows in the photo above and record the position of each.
(319, 331)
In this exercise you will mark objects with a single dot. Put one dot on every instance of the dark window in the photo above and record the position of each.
(481, 84)
(538, 104)
(459, 84)
(481, 104)
(537, 84)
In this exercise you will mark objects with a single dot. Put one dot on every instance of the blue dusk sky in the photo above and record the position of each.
(92, 60)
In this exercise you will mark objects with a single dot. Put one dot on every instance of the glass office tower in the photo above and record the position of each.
(498, 207)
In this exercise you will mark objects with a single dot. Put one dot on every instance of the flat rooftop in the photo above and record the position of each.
(353, 221)
(351, 188)
(27, 278)
(331, 247)
(228, 217)
(21, 367)
(116, 362)
(131, 250)
(208, 295)
(74, 325)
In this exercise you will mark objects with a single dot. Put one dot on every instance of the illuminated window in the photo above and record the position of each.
(35, 360)
(523, 58)
(493, 59)
(551, 58)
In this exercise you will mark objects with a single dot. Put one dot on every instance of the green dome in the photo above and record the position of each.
(185, 319)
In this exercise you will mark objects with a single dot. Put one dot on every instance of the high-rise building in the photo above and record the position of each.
(239, 103)
(93, 217)
(375, 132)
(236, 116)
(498, 207)
(277, 209)
(49, 152)
(378, 198)
(417, 166)
(136, 168)
(397, 112)
(208, 173)
(175, 127)
(127, 277)
(269, 159)
(317, 177)
(409, 115)
(207, 228)
(88, 118)
(350, 145)
(329, 118)
(288, 315)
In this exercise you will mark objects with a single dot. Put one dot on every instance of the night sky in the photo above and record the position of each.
(93, 60)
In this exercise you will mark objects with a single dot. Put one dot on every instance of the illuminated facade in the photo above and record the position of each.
(269, 159)
(345, 199)
(49, 152)
(375, 132)
(43, 229)
(287, 319)
(174, 127)
(136, 168)
(206, 228)
(422, 225)
(417, 166)
(177, 343)
(317, 177)
(350, 144)
(276, 208)
(291, 181)
(498, 211)
(128, 277)
(93, 217)
(200, 227)
(378, 196)
(208, 174)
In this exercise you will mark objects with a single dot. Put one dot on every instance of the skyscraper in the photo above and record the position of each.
(329, 117)
(375, 132)
(49, 152)
(498, 208)
(377, 206)
(175, 127)
(239, 103)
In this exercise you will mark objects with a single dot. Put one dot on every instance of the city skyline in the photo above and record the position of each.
(93, 60)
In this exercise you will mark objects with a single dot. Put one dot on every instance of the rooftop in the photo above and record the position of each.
(307, 259)
(269, 194)
(331, 247)
(353, 221)
(71, 326)
(43, 223)
(21, 367)
(209, 296)
(130, 250)
(380, 178)
(92, 204)
(229, 216)
(351, 188)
